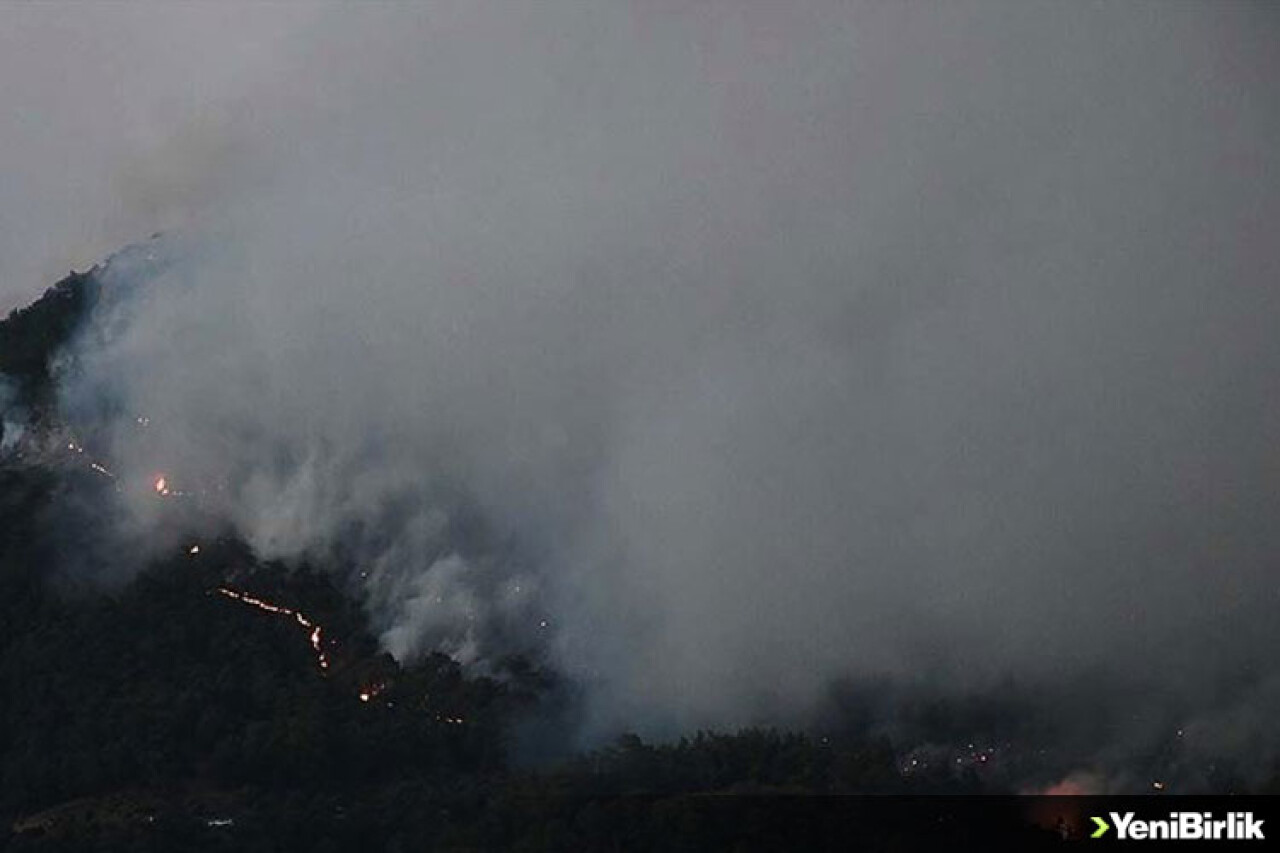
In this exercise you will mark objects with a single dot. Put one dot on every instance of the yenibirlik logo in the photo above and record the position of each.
(1183, 826)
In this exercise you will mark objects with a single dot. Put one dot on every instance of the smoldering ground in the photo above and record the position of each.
(757, 348)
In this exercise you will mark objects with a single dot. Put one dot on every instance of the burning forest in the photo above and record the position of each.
(515, 410)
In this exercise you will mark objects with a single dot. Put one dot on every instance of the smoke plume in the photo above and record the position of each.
(722, 351)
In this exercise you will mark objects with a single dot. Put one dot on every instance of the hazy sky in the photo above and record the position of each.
(92, 92)
(784, 341)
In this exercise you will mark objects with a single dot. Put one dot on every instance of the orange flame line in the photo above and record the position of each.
(317, 633)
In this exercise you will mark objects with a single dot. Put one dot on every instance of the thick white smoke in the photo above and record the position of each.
(729, 348)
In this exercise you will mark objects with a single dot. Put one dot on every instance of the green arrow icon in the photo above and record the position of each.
(1103, 826)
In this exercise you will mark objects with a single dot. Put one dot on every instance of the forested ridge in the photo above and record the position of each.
(197, 697)
(174, 712)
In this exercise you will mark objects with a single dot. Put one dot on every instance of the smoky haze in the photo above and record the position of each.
(722, 351)
(92, 94)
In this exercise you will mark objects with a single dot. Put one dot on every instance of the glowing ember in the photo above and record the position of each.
(317, 643)
(317, 633)
(162, 486)
(96, 466)
(371, 691)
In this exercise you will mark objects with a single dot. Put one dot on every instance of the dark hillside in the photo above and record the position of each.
(30, 337)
